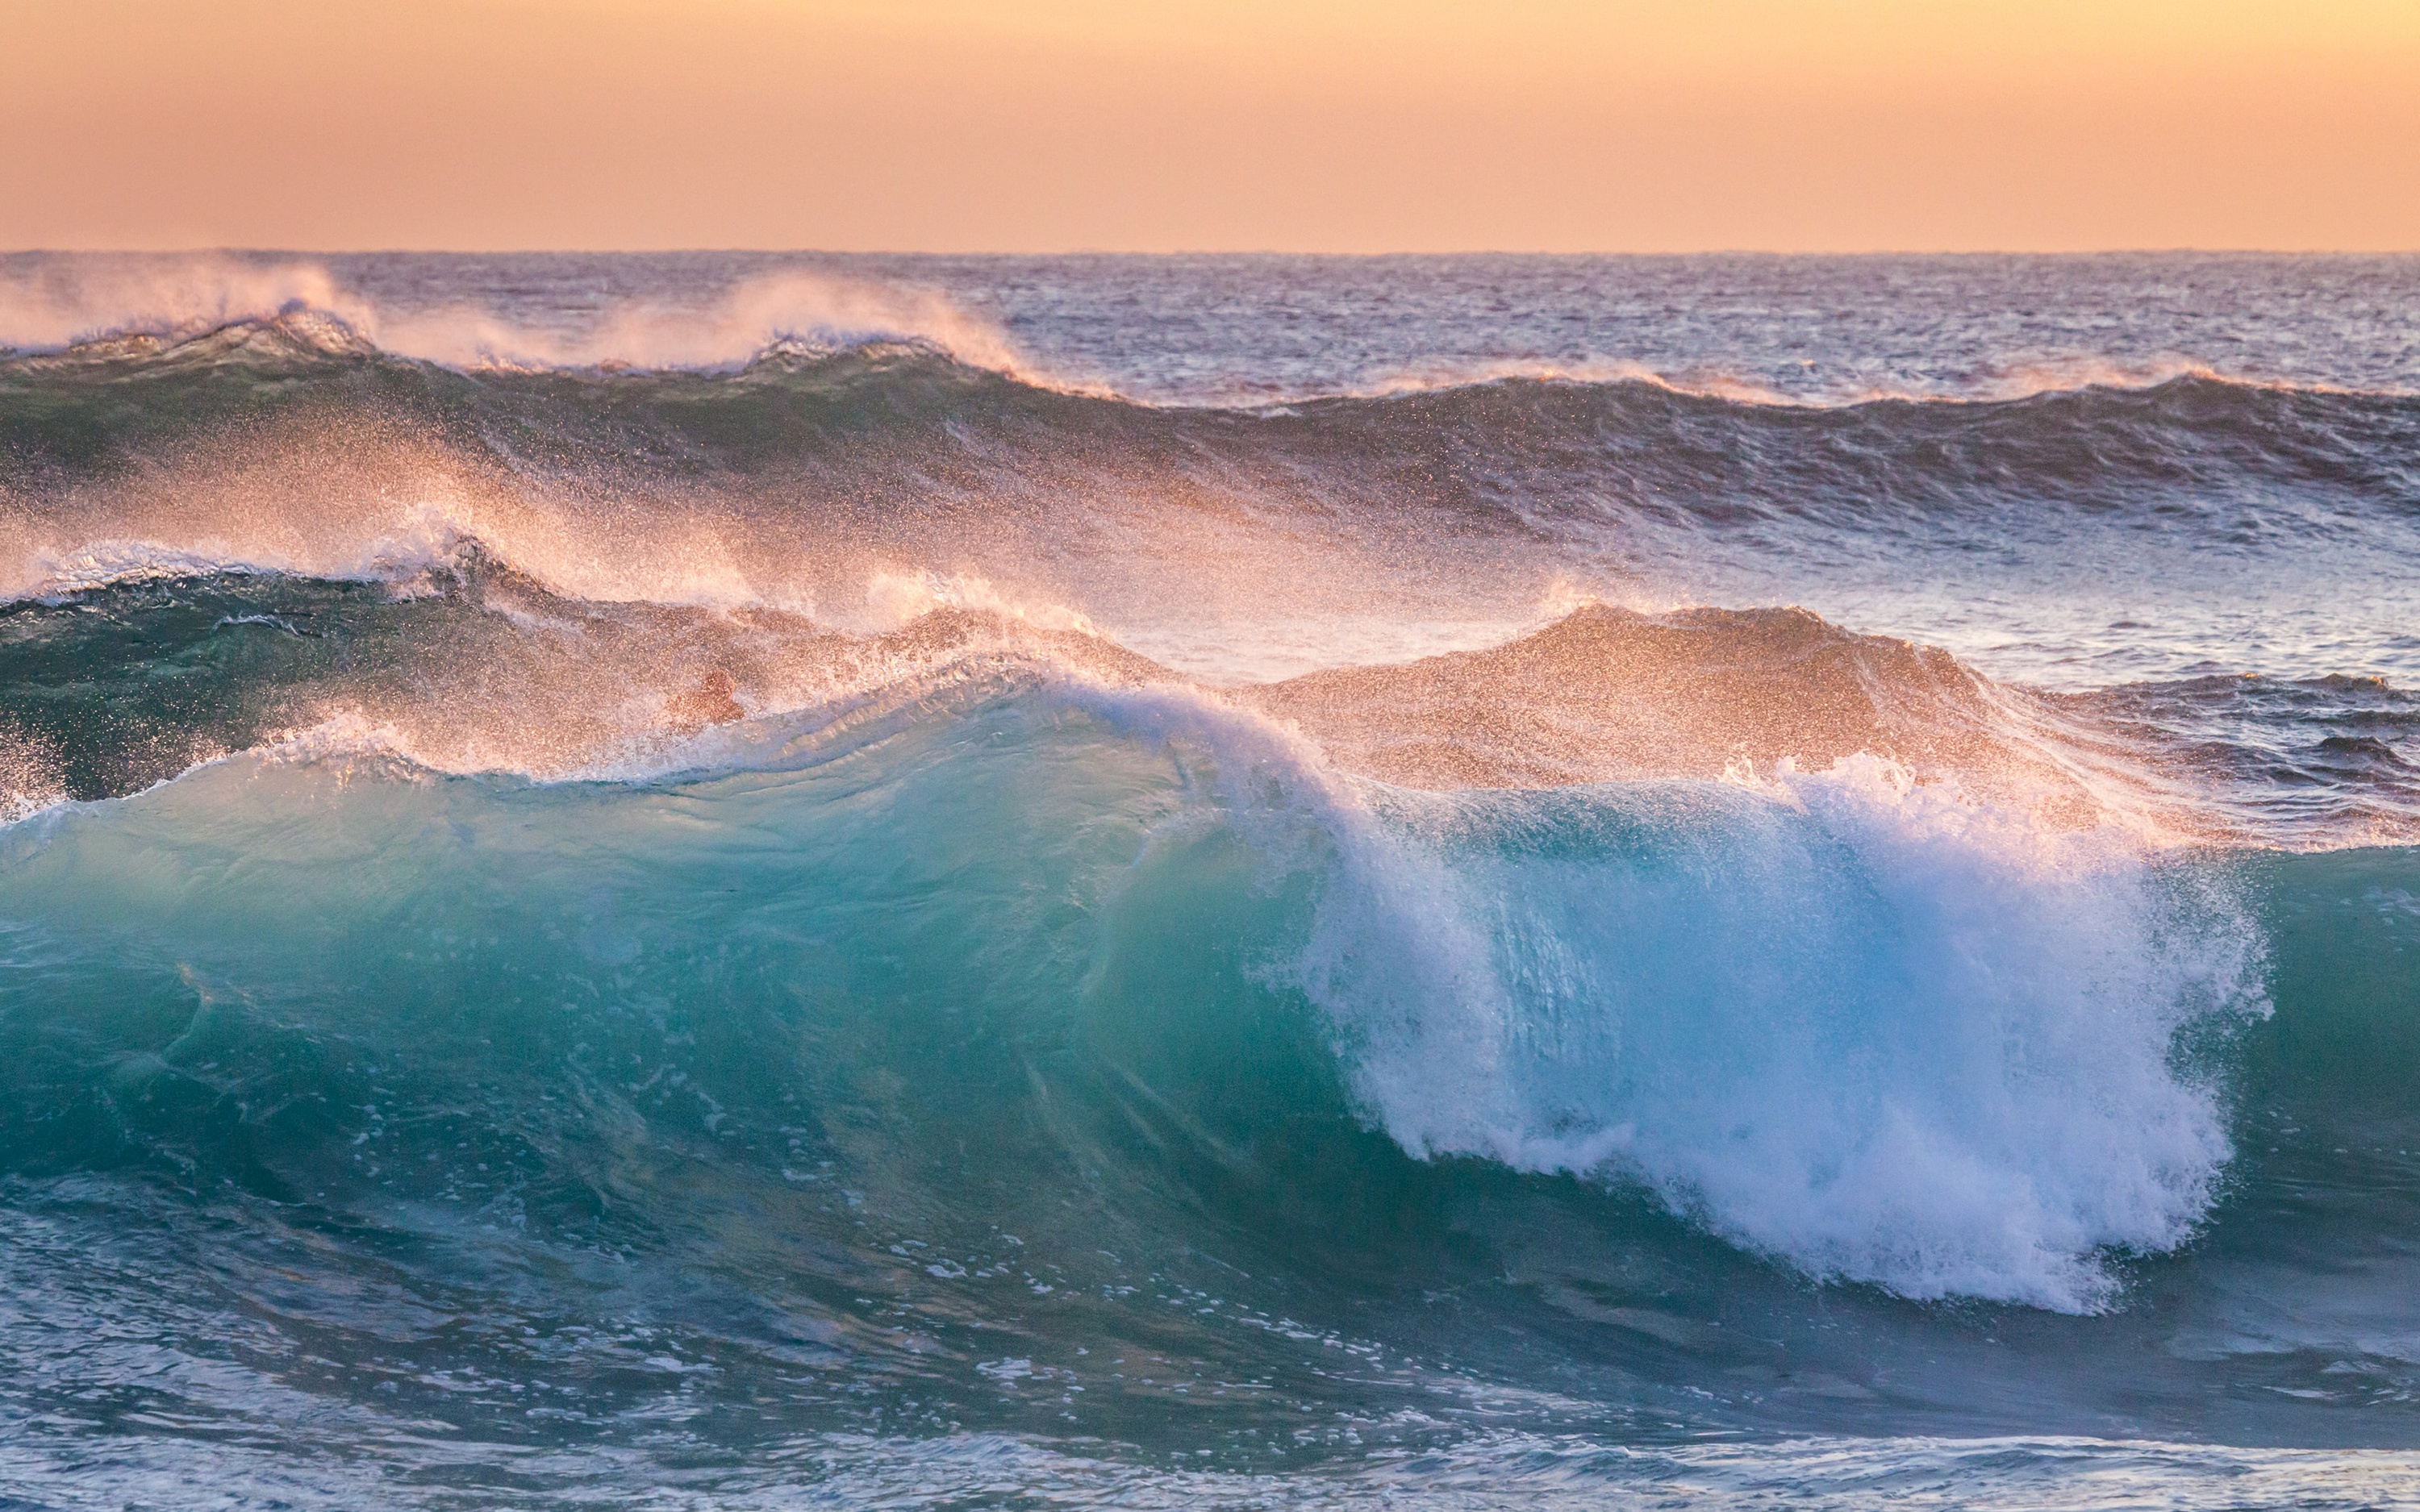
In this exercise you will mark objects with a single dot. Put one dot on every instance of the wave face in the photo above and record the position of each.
(729, 881)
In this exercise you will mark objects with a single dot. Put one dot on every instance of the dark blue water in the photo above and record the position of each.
(729, 881)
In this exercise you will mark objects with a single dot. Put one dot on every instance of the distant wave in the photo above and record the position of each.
(449, 656)
(100, 303)
(605, 540)
(2012, 383)
(97, 301)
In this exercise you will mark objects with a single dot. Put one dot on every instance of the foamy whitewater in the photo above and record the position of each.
(731, 880)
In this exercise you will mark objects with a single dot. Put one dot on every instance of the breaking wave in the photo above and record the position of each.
(645, 886)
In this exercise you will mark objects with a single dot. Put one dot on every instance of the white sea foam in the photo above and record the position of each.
(1870, 1027)
(1866, 1027)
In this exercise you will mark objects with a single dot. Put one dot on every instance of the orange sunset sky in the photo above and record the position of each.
(1315, 125)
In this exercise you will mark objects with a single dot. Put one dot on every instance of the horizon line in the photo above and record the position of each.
(232, 249)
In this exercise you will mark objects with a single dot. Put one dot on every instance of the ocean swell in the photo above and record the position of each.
(615, 872)
(1878, 1030)
(98, 307)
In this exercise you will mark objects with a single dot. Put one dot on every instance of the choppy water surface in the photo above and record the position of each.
(735, 881)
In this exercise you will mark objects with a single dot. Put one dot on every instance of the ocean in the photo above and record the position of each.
(735, 880)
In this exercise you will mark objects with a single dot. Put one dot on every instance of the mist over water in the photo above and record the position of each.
(732, 879)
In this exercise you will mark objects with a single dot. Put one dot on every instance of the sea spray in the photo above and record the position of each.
(1238, 882)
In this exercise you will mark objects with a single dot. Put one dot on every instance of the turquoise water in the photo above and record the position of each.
(998, 1046)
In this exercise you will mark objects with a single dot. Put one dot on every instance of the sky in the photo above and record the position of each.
(1211, 125)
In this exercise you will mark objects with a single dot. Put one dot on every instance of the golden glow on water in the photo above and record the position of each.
(1348, 125)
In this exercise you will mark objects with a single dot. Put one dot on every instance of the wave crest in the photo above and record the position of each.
(1881, 1030)
(133, 303)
